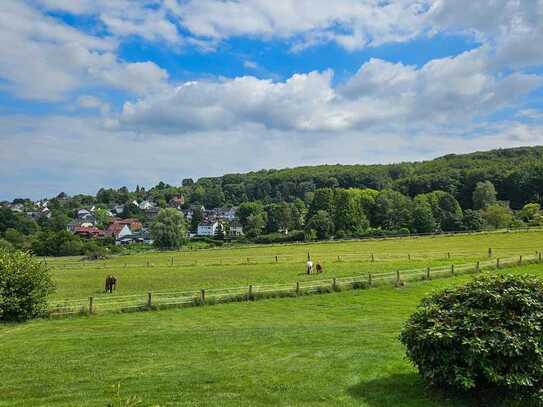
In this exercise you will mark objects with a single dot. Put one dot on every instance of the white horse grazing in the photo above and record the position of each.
(309, 265)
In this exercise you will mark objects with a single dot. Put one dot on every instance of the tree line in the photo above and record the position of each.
(494, 189)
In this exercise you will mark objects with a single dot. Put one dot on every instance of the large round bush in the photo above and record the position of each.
(485, 335)
(24, 286)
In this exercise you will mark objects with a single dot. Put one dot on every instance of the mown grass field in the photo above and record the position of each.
(235, 267)
(338, 349)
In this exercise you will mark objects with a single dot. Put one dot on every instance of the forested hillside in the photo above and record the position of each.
(516, 173)
(483, 190)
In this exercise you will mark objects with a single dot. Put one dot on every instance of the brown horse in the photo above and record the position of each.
(320, 269)
(111, 283)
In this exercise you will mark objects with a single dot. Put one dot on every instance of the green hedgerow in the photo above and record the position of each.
(24, 286)
(486, 335)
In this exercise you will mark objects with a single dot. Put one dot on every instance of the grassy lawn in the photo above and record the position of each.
(221, 268)
(337, 349)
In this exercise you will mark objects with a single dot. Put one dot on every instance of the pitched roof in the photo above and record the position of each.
(115, 228)
(91, 231)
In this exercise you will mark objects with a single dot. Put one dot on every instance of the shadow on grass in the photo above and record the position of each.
(409, 390)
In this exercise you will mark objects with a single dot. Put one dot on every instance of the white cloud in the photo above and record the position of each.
(42, 58)
(250, 64)
(445, 91)
(352, 24)
(43, 156)
(93, 102)
(143, 18)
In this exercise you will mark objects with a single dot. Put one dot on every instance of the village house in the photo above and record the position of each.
(117, 209)
(235, 230)
(207, 228)
(152, 212)
(118, 231)
(177, 202)
(86, 216)
(146, 205)
(89, 232)
(122, 227)
(141, 236)
(77, 223)
(190, 211)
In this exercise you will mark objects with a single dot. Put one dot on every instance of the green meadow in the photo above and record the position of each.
(335, 349)
(279, 264)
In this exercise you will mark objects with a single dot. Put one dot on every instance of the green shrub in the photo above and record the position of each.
(293, 236)
(4, 244)
(24, 286)
(484, 336)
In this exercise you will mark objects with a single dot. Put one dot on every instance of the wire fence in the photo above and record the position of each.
(168, 262)
(197, 297)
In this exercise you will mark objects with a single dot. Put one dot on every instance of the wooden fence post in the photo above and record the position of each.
(398, 277)
(539, 257)
(490, 252)
(452, 269)
(498, 263)
(448, 255)
(203, 296)
(520, 260)
(334, 284)
(250, 296)
(172, 261)
(297, 288)
(408, 256)
(477, 267)
(276, 259)
(149, 295)
(372, 258)
(90, 305)
(427, 273)
(369, 280)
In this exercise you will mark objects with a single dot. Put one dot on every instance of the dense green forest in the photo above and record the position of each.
(482, 190)
(516, 173)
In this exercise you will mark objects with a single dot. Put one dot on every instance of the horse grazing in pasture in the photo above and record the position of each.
(111, 283)
(309, 266)
(319, 268)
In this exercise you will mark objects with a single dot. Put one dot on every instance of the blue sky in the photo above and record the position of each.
(115, 92)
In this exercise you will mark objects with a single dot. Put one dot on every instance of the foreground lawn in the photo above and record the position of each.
(336, 349)
(234, 267)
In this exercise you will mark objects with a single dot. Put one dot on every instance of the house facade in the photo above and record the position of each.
(235, 230)
(207, 228)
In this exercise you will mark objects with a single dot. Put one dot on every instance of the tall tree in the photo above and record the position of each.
(484, 195)
(497, 216)
(321, 225)
(323, 200)
(168, 230)
(392, 210)
(349, 216)
(423, 218)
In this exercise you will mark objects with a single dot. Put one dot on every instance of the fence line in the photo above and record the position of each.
(369, 257)
(159, 299)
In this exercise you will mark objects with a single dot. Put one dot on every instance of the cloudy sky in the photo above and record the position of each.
(123, 92)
